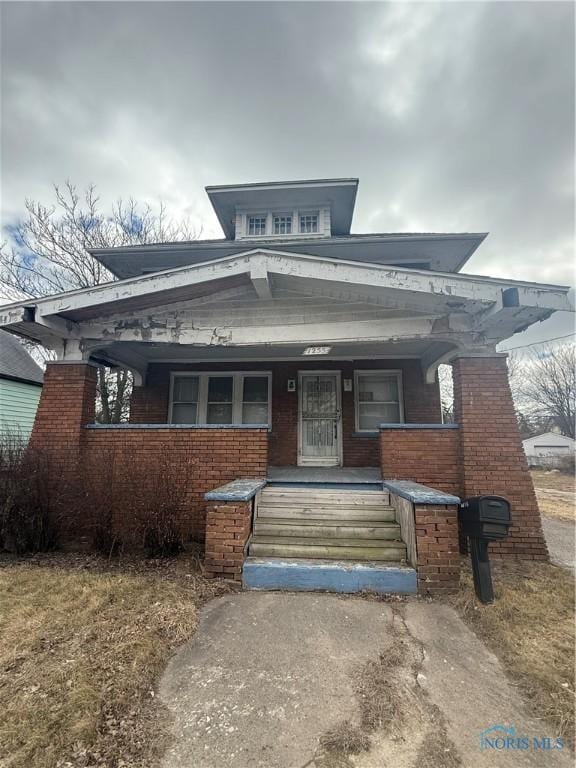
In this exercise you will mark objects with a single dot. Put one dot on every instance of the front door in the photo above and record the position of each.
(319, 420)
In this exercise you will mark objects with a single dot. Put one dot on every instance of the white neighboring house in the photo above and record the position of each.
(548, 450)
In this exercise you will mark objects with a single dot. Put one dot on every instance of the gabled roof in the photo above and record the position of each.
(339, 194)
(498, 308)
(16, 363)
(554, 435)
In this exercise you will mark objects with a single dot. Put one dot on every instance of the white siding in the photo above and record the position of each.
(18, 404)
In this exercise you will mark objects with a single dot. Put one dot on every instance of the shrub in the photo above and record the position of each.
(31, 497)
(136, 506)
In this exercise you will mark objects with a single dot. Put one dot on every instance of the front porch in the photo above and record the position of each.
(286, 368)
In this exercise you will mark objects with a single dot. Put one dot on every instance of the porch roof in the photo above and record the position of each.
(270, 300)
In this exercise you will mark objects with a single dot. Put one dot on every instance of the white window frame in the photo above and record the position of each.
(283, 215)
(237, 393)
(309, 212)
(265, 216)
(377, 372)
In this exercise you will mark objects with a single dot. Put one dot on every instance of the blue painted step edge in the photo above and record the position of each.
(346, 578)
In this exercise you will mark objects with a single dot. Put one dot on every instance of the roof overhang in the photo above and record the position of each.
(440, 252)
(339, 194)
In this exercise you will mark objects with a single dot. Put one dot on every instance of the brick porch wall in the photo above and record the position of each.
(427, 456)
(207, 458)
(492, 457)
(421, 403)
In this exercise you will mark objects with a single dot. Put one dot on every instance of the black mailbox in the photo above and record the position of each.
(484, 519)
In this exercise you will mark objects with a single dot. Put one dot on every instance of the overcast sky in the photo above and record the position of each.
(455, 116)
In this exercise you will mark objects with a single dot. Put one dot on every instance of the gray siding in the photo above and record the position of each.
(18, 404)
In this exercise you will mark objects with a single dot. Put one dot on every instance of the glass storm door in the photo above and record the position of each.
(320, 420)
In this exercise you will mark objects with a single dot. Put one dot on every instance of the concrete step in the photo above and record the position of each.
(331, 576)
(303, 510)
(391, 551)
(335, 529)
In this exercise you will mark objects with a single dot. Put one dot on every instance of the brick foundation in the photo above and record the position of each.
(438, 563)
(492, 457)
(427, 456)
(228, 526)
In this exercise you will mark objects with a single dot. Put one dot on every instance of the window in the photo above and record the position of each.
(257, 225)
(378, 399)
(220, 398)
(282, 224)
(308, 222)
(185, 400)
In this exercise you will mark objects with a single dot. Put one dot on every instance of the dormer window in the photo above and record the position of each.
(257, 225)
(282, 224)
(308, 222)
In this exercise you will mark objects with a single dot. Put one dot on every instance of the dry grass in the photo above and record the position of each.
(557, 481)
(559, 505)
(530, 627)
(81, 646)
(556, 506)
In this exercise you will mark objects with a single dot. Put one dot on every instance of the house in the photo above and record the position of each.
(298, 363)
(20, 387)
(548, 449)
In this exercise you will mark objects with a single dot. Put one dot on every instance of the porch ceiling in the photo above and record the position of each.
(141, 354)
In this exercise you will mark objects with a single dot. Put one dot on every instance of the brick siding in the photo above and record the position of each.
(493, 460)
(228, 527)
(427, 456)
(437, 544)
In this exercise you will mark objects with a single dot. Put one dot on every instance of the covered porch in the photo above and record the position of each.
(267, 360)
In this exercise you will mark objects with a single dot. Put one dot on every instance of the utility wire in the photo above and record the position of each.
(537, 343)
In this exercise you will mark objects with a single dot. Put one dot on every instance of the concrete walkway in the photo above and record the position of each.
(267, 675)
(561, 539)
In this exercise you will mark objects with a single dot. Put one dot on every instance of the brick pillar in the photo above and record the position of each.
(228, 526)
(492, 457)
(437, 547)
(67, 404)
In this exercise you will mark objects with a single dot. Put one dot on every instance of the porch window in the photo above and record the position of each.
(378, 399)
(185, 400)
(220, 398)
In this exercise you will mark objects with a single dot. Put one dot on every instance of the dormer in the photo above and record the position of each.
(285, 209)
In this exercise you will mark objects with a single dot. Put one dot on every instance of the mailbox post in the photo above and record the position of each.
(484, 519)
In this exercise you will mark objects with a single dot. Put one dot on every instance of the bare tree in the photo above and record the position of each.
(47, 252)
(547, 387)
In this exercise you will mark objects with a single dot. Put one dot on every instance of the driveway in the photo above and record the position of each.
(561, 539)
(279, 680)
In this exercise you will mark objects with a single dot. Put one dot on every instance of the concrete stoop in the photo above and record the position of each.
(309, 575)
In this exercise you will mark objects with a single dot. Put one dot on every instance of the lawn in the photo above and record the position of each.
(530, 627)
(82, 643)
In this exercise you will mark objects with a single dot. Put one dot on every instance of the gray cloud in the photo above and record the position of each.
(454, 116)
